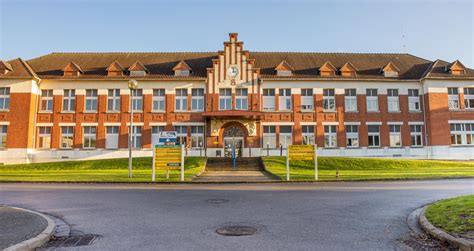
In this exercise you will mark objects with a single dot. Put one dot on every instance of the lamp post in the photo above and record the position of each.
(132, 85)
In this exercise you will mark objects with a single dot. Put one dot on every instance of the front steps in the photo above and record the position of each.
(242, 164)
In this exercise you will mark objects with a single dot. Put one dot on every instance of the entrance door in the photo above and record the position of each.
(228, 146)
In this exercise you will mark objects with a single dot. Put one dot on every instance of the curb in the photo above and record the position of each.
(462, 244)
(38, 240)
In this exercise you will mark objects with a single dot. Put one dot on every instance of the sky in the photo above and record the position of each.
(431, 29)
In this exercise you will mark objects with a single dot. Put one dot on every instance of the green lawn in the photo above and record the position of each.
(454, 215)
(109, 170)
(369, 168)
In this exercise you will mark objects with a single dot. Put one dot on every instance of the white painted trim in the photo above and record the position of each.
(460, 121)
(351, 123)
(416, 123)
(373, 123)
(187, 123)
(308, 123)
(80, 91)
(124, 92)
(330, 123)
(4, 122)
(278, 123)
(44, 124)
(58, 92)
(67, 124)
(136, 123)
(339, 91)
(157, 123)
(112, 124)
(89, 124)
(395, 123)
(147, 91)
(102, 92)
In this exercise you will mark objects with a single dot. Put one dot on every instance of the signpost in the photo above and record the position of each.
(301, 152)
(167, 155)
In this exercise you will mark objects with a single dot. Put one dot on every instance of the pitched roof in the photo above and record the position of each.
(138, 66)
(348, 67)
(438, 71)
(327, 66)
(305, 65)
(115, 66)
(5, 65)
(19, 70)
(283, 66)
(72, 66)
(390, 67)
(182, 66)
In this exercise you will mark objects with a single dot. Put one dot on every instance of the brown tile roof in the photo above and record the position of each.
(19, 69)
(305, 65)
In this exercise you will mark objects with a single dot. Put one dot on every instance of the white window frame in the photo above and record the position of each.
(181, 100)
(113, 100)
(330, 136)
(286, 138)
(393, 100)
(329, 100)
(416, 136)
(463, 133)
(373, 135)
(69, 100)
(197, 136)
(4, 98)
(44, 137)
(197, 99)
(3, 136)
(159, 100)
(182, 136)
(155, 134)
(89, 137)
(350, 100)
(352, 136)
(137, 100)
(91, 102)
(453, 98)
(307, 100)
(395, 135)
(372, 100)
(269, 99)
(47, 100)
(469, 98)
(225, 99)
(241, 99)
(269, 137)
(284, 99)
(414, 100)
(137, 137)
(112, 137)
(308, 134)
(67, 137)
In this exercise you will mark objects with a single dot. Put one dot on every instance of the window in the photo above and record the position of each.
(4, 98)
(330, 136)
(462, 134)
(89, 138)
(469, 98)
(285, 136)
(181, 100)
(372, 100)
(3, 136)
(158, 100)
(113, 100)
(136, 136)
(47, 100)
(241, 99)
(393, 100)
(112, 137)
(307, 100)
(69, 100)
(197, 99)
(350, 100)
(67, 137)
(269, 100)
(352, 136)
(155, 134)
(395, 135)
(453, 98)
(413, 100)
(329, 100)
(416, 135)
(225, 99)
(269, 136)
(137, 100)
(44, 137)
(182, 132)
(374, 135)
(197, 136)
(91, 100)
(308, 134)
(284, 99)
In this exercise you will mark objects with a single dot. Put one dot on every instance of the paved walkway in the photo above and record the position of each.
(233, 176)
(17, 226)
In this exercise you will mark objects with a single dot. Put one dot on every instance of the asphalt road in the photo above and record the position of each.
(324, 216)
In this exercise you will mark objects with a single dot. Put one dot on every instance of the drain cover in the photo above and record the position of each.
(71, 241)
(217, 201)
(236, 230)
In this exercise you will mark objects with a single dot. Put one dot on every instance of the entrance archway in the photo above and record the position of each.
(233, 135)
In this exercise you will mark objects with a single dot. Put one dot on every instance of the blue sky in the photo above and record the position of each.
(429, 29)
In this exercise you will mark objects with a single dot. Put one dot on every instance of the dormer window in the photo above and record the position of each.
(456, 68)
(72, 70)
(138, 69)
(327, 70)
(182, 69)
(348, 70)
(115, 69)
(284, 69)
(390, 70)
(5, 67)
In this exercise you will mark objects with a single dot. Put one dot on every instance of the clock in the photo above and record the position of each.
(233, 71)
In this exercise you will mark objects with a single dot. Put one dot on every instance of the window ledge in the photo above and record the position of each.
(462, 146)
(326, 111)
(111, 112)
(4, 110)
(67, 112)
(415, 111)
(46, 112)
(89, 112)
(373, 111)
(159, 112)
(351, 111)
(394, 111)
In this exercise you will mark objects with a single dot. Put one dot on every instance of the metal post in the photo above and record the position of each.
(250, 152)
(182, 162)
(233, 154)
(287, 166)
(167, 174)
(130, 138)
(315, 162)
(281, 150)
(153, 166)
(268, 149)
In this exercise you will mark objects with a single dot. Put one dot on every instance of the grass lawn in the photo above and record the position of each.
(454, 215)
(109, 170)
(369, 168)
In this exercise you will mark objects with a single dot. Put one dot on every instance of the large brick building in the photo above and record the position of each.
(76, 105)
